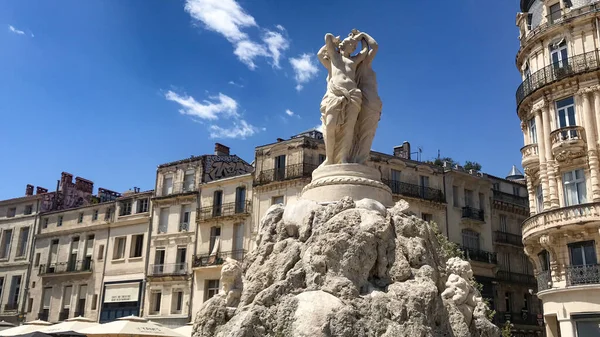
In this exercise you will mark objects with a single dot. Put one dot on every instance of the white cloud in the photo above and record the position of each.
(229, 19)
(305, 69)
(289, 112)
(239, 85)
(217, 106)
(15, 30)
(240, 129)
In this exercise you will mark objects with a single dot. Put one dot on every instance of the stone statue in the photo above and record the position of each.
(351, 107)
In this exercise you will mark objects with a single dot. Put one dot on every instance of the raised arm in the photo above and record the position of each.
(330, 44)
(371, 42)
(323, 58)
(363, 52)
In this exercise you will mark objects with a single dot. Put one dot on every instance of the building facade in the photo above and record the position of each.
(558, 104)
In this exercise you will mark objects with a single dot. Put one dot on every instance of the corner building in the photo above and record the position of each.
(558, 103)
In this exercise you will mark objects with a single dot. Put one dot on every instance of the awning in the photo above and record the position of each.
(122, 292)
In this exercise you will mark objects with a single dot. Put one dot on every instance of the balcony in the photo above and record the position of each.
(183, 227)
(207, 260)
(511, 199)
(522, 318)
(544, 280)
(570, 217)
(530, 156)
(61, 268)
(479, 255)
(517, 278)
(473, 214)
(11, 307)
(508, 238)
(63, 315)
(568, 142)
(415, 191)
(574, 65)
(225, 210)
(586, 274)
(282, 174)
(168, 269)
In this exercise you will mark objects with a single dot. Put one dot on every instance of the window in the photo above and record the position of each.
(176, 301)
(481, 201)
(1, 286)
(108, 214)
(532, 131)
(544, 260)
(215, 236)
(539, 198)
(321, 158)
(94, 301)
(59, 222)
(36, 263)
(504, 261)
(119, 251)
(508, 301)
(28, 209)
(95, 215)
(23, 237)
(212, 288)
(574, 187)
(30, 305)
(277, 200)
(45, 222)
(185, 218)
(468, 198)
(395, 175)
(240, 199)
(280, 167)
(188, 181)
(159, 261)
(167, 185)
(426, 217)
(80, 309)
(516, 190)
(527, 70)
(142, 206)
(496, 186)
(137, 244)
(155, 302)
(15, 289)
(46, 297)
(455, 199)
(163, 221)
(100, 253)
(470, 239)
(559, 56)
(583, 253)
(565, 110)
(503, 223)
(11, 212)
(238, 240)
(555, 14)
(126, 208)
(180, 261)
(525, 302)
(217, 203)
(5, 245)
(524, 264)
(68, 291)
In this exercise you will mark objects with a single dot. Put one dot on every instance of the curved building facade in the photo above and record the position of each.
(558, 103)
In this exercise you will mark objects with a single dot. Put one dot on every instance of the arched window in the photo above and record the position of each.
(470, 239)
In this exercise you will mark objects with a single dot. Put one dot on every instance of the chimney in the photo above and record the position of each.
(29, 190)
(66, 180)
(221, 150)
(402, 151)
(84, 185)
(41, 190)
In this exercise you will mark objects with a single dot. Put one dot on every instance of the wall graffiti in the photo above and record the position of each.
(219, 167)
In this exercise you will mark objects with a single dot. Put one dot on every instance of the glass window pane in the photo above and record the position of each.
(571, 113)
(555, 58)
(576, 256)
(589, 253)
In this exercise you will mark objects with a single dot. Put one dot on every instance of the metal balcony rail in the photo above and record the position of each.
(511, 198)
(303, 170)
(524, 317)
(11, 307)
(415, 191)
(184, 227)
(479, 255)
(586, 274)
(575, 12)
(557, 71)
(544, 280)
(207, 259)
(566, 133)
(168, 269)
(67, 267)
(518, 278)
(510, 238)
(473, 213)
(228, 209)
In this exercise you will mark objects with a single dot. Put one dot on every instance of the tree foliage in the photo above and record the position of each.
(472, 165)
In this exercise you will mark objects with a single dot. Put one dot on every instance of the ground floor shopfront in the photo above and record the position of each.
(120, 299)
(572, 311)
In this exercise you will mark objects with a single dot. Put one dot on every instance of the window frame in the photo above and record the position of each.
(580, 187)
(117, 246)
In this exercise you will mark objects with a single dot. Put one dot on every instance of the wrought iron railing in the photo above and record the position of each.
(557, 71)
(509, 238)
(544, 280)
(567, 133)
(289, 172)
(415, 191)
(80, 266)
(167, 269)
(524, 317)
(473, 213)
(586, 274)
(511, 198)
(11, 306)
(184, 227)
(207, 259)
(517, 278)
(479, 255)
(228, 209)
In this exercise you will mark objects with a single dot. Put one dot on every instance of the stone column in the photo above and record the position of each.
(590, 138)
(550, 163)
(567, 328)
(542, 140)
(531, 193)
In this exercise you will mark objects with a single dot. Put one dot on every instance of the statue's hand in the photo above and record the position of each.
(354, 32)
(337, 39)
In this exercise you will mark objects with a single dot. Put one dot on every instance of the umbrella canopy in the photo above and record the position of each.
(79, 319)
(185, 330)
(34, 334)
(130, 325)
(26, 328)
(68, 325)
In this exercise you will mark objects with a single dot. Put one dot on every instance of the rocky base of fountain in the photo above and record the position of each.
(345, 269)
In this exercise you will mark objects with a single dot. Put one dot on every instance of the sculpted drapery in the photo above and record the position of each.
(351, 107)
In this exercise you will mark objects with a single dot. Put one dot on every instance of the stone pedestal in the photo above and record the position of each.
(331, 183)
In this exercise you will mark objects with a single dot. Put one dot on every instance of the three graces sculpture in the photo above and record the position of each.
(351, 107)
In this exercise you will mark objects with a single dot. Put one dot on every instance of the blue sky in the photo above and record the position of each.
(107, 90)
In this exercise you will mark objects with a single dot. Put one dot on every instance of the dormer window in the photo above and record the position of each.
(529, 20)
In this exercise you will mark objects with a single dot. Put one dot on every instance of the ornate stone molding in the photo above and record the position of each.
(587, 90)
(567, 156)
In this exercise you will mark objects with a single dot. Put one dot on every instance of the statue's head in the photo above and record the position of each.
(348, 46)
